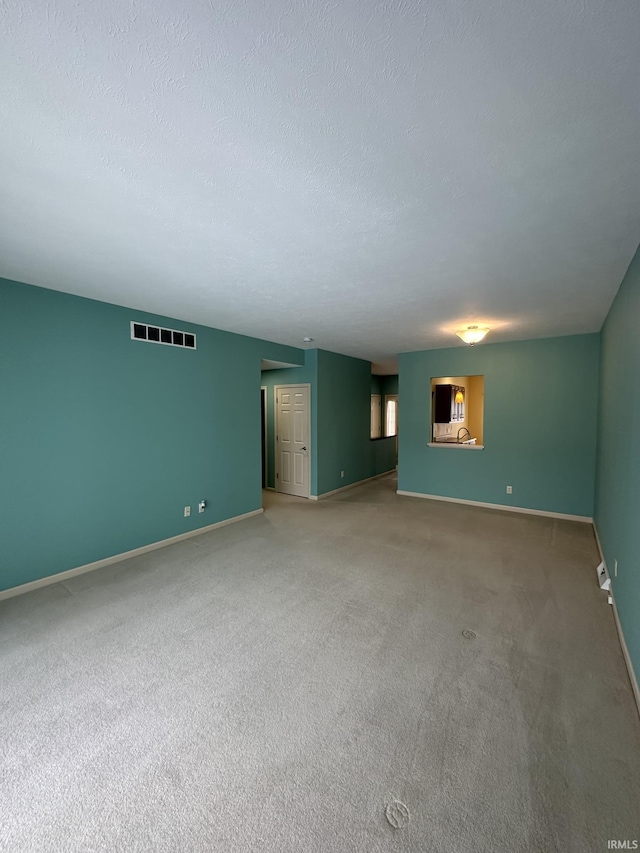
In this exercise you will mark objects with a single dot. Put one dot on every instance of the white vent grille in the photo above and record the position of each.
(159, 335)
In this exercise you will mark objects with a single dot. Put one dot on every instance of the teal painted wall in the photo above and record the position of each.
(539, 424)
(617, 506)
(383, 455)
(344, 421)
(106, 439)
(384, 384)
(306, 374)
(389, 384)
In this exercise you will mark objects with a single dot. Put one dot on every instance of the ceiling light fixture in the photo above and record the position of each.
(472, 334)
(307, 340)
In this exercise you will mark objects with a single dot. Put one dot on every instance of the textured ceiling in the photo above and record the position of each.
(373, 175)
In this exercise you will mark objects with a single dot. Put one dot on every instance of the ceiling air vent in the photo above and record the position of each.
(158, 335)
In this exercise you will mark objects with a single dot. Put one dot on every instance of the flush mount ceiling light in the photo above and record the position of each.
(307, 340)
(472, 334)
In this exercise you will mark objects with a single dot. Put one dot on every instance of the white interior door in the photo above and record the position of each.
(292, 439)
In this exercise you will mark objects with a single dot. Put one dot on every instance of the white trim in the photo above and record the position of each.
(600, 551)
(265, 448)
(117, 558)
(380, 431)
(455, 445)
(276, 481)
(623, 643)
(504, 507)
(625, 653)
(385, 399)
(351, 485)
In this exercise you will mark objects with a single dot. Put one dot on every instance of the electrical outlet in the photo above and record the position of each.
(187, 511)
(604, 581)
(509, 490)
(342, 473)
(615, 568)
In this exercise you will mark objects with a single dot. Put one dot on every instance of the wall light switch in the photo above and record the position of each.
(187, 511)
(342, 473)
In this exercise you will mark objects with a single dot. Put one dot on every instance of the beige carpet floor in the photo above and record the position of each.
(367, 673)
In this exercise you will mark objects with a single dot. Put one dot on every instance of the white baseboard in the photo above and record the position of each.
(350, 486)
(625, 653)
(505, 507)
(623, 642)
(117, 558)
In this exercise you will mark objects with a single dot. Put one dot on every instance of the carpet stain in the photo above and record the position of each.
(397, 814)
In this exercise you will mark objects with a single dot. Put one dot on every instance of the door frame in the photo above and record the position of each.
(380, 418)
(395, 397)
(384, 415)
(276, 388)
(264, 405)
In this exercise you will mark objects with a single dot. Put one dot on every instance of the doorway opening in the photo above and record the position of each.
(272, 373)
(385, 410)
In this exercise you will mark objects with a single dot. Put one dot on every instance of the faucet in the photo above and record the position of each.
(463, 430)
